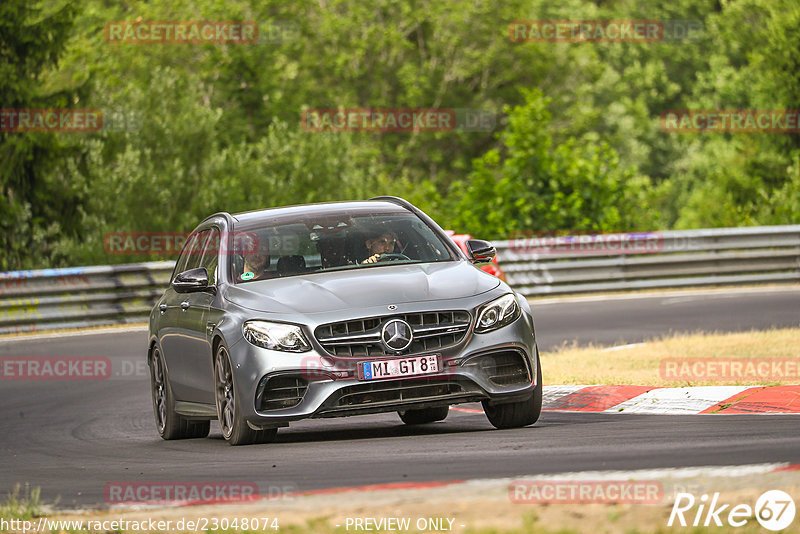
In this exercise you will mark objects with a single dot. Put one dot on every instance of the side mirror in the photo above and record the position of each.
(191, 281)
(480, 251)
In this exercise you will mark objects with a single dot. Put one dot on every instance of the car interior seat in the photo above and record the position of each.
(288, 265)
(356, 246)
(332, 252)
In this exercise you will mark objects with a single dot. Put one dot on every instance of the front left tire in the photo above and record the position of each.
(517, 414)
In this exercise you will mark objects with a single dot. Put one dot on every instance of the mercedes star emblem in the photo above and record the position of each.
(396, 335)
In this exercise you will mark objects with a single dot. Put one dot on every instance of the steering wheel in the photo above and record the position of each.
(393, 257)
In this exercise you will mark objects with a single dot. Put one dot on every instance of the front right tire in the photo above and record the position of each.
(229, 412)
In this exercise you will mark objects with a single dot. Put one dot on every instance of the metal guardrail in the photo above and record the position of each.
(677, 258)
(80, 296)
(104, 295)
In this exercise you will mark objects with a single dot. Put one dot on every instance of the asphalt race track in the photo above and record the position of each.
(72, 438)
(632, 318)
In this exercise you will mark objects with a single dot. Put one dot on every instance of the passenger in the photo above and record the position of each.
(256, 262)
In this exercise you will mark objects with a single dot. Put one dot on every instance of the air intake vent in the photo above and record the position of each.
(282, 392)
(506, 368)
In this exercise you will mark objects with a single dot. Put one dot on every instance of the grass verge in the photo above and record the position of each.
(646, 364)
(22, 503)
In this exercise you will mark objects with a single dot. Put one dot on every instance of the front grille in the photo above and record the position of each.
(280, 392)
(362, 337)
(394, 391)
(506, 368)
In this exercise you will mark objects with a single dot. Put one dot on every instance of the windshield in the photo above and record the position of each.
(312, 243)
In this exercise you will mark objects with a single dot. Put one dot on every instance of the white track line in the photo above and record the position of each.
(688, 400)
(539, 301)
(54, 335)
(623, 347)
(551, 394)
(649, 474)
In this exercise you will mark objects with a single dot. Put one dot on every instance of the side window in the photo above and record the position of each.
(195, 253)
(189, 249)
(210, 255)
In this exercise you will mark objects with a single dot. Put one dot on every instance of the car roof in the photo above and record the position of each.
(373, 206)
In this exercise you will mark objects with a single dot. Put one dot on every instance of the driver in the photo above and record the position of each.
(380, 245)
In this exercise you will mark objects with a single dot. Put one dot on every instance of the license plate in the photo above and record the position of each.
(420, 365)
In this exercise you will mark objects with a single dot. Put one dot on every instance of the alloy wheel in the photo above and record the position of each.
(159, 391)
(226, 400)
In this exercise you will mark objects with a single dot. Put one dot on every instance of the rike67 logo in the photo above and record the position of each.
(774, 510)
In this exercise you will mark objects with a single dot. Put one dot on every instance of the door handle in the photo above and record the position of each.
(162, 307)
(185, 305)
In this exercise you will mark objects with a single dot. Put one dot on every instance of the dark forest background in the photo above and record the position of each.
(577, 143)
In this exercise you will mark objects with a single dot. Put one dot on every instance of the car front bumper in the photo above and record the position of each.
(499, 366)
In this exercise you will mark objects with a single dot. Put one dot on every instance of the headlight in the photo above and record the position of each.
(497, 313)
(276, 336)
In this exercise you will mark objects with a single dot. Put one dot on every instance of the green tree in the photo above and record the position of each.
(742, 178)
(36, 202)
(532, 184)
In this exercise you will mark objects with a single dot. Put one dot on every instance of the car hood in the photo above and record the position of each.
(362, 288)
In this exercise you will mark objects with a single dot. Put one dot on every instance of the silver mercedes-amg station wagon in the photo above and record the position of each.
(330, 310)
